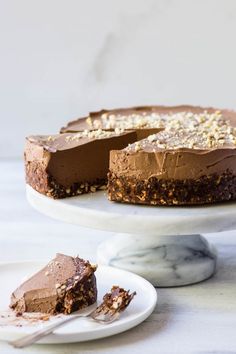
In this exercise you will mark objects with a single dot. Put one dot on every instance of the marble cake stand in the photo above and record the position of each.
(162, 244)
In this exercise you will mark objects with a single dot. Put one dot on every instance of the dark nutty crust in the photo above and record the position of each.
(154, 191)
(39, 179)
(76, 294)
(115, 301)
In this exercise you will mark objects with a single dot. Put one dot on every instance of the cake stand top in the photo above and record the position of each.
(95, 211)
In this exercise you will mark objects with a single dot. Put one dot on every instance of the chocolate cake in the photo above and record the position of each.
(159, 156)
(192, 160)
(65, 285)
(65, 165)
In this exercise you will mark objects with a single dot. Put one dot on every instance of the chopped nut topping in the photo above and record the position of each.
(94, 134)
(137, 146)
(50, 138)
(130, 121)
(190, 130)
(93, 189)
(89, 121)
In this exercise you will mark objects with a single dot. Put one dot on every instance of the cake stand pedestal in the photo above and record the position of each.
(163, 260)
(162, 244)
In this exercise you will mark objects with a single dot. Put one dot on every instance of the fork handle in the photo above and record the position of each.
(37, 335)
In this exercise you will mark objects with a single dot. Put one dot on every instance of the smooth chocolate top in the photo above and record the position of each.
(138, 118)
(178, 142)
(191, 144)
(42, 288)
(76, 157)
(61, 142)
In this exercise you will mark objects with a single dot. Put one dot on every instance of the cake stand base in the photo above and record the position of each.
(163, 260)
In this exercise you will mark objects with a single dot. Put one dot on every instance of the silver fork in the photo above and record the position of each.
(90, 311)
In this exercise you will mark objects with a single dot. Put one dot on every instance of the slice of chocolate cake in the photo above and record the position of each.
(65, 285)
(65, 165)
(191, 161)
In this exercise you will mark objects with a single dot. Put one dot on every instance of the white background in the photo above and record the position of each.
(61, 59)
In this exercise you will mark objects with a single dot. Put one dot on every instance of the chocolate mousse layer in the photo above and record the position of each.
(65, 285)
(71, 164)
(191, 161)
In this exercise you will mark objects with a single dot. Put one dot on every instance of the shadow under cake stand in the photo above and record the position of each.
(162, 244)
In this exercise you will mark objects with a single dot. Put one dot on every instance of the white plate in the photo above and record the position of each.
(12, 274)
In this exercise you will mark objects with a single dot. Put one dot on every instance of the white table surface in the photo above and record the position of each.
(195, 319)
